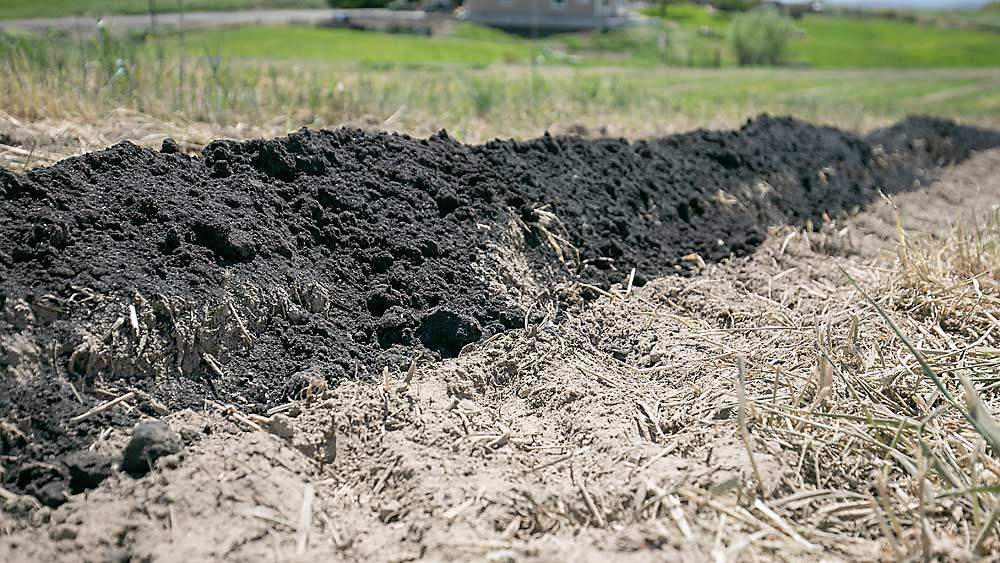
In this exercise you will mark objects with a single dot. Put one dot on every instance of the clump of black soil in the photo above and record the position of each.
(397, 233)
(150, 441)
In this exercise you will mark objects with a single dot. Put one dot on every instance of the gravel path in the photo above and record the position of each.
(86, 24)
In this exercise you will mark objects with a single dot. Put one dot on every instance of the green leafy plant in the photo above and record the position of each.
(735, 5)
(760, 37)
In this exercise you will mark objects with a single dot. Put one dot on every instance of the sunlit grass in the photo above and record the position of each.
(841, 42)
(60, 77)
(298, 42)
(834, 41)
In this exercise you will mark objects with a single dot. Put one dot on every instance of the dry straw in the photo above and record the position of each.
(897, 416)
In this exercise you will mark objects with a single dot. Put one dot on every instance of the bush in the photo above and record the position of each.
(357, 3)
(760, 37)
(735, 5)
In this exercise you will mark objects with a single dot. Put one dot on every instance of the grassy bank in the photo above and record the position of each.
(841, 42)
(55, 78)
(824, 42)
(321, 44)
(831, 41)
(686, 35)
(478, 84)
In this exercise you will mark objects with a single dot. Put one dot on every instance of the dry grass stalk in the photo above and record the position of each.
(231, 410)
(305, 519)
(741, 421)
(7, 495)
(103, 407)
(904, 388)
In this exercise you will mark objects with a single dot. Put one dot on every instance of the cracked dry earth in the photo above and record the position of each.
(612, 435)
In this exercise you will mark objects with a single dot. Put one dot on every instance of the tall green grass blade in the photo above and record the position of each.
(975, 414)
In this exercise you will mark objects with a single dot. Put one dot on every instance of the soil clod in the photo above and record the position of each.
(150, 441)
(170, 146)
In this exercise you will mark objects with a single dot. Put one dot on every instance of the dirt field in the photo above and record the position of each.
(560, 409)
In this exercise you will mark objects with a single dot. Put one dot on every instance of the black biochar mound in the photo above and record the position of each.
(396, 231)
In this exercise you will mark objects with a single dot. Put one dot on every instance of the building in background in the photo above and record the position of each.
(549, 15)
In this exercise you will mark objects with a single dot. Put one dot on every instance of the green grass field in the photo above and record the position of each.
(294, 42)
(985, 18)
(832, 42)
(477, 82)
(61, 78)
(10, 9)
(829, 41)
(824, 42)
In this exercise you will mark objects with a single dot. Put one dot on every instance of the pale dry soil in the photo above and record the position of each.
(609, 433)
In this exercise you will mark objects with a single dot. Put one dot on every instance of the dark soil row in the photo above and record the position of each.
(348, 251)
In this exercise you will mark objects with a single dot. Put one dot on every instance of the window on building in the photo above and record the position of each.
(559, 4)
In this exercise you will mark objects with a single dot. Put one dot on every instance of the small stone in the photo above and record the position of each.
(41, 516)
(502, 556)
(60, 533)
(18, 313)
(295, 313)
(150, 441)
(52, 493)
(172, 461)
(281, 426)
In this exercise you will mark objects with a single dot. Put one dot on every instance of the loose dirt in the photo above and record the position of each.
(608, 436)
(270, 271)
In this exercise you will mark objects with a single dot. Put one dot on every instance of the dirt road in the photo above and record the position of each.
(87, 24)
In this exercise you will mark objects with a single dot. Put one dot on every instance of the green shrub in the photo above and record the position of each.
(760, 37)
(735, 5)
(357, 3)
